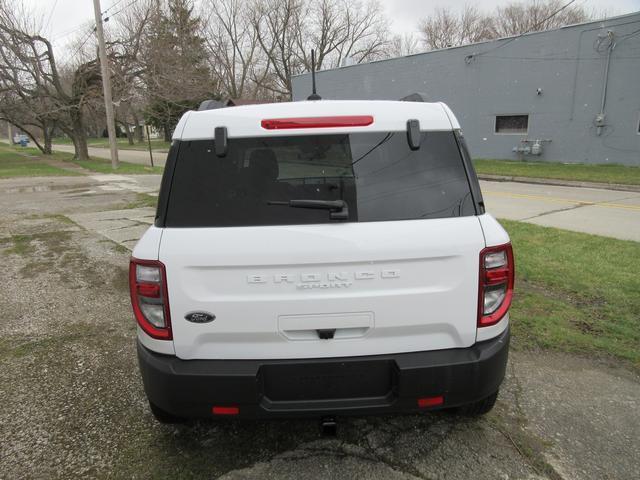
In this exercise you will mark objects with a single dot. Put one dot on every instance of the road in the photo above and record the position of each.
(590, 210)
(132, 156)
(602, 212)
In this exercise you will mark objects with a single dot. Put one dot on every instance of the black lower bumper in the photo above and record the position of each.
(327, 386)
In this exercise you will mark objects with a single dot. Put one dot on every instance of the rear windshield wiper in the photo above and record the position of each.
(338, 209)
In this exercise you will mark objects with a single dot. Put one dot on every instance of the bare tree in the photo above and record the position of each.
(232, 42)
(287, 30)
(402, 45)
(447, 29)
(125, 55)
(518, 18)
(29, 73)
(22, 113)
(367, 32)
(277, 24)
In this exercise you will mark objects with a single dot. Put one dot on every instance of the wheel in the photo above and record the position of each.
(480, 407)
(163, 416)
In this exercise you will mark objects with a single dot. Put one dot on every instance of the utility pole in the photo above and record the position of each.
(106, 85)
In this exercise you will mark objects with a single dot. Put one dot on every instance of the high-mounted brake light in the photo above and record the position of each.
(495, 291)
(317, 122)
(149, 298)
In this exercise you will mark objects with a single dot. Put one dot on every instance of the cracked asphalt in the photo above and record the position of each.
(73, 405)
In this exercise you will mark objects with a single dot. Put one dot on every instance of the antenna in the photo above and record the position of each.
(314, 95)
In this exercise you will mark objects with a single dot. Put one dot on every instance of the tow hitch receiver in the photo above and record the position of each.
(328, 426)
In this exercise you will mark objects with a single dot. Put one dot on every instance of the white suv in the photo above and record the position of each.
(321, 258)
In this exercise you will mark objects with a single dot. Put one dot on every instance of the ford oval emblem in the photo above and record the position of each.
(200, 317)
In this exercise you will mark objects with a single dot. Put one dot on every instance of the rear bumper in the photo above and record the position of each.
(328, 386)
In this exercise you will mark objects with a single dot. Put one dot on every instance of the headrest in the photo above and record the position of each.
(263, 163)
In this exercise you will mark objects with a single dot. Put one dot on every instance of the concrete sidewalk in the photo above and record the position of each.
(598, 211)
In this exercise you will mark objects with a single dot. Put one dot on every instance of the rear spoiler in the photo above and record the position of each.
(415, 97)
(211, 105)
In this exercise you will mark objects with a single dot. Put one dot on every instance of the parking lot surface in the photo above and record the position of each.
(73, 405)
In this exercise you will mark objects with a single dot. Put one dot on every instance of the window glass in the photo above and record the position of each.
(377, 175)
(512, 123)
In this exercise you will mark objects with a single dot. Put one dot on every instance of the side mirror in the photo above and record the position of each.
(221, 143)
(413, 134)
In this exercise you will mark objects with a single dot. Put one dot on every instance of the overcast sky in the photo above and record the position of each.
(65, 15)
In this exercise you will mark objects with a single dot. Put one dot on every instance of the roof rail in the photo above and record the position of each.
(415, 97)
(210, 105)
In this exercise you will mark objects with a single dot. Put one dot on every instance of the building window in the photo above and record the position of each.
(515, 124)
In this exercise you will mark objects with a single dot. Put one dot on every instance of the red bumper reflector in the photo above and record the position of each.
(430, 401)
(225, 410)
(317, 122)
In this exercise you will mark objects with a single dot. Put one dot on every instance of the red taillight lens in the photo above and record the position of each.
(317, 122)
(497, 275)
(149, 298)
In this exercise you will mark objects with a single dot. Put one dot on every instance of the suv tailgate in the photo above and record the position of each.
(380, 287)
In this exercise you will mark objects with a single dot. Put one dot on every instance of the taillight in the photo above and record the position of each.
(317, 122)
(497, 274)
(149, 298)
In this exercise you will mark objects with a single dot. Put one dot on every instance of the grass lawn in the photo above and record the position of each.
(560, 171)
(24, 162)
(576, 292)
(123, 143)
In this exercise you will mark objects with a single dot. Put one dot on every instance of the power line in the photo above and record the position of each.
(470, 57)
(123, 8)
(115, 4)
(66, 33)
(551, 16)
(50, 15)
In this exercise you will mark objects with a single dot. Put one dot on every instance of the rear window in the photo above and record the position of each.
(377, 175)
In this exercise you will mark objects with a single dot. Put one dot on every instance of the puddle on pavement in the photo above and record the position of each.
(48, 188)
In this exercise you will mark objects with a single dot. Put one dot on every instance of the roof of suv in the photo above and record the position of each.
(245, 121)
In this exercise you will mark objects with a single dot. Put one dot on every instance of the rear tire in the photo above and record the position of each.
(165, 417)
(481, 407)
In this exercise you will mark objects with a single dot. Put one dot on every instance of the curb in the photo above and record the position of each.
(560, 183)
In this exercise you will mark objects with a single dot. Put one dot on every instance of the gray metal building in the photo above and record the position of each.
(569, 95)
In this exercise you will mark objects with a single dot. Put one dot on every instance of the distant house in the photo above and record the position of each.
(571, 94)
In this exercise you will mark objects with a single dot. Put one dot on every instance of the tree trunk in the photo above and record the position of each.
(127, 130)
(79, 136)
(47, 132)
(167, 133)
(138, 129)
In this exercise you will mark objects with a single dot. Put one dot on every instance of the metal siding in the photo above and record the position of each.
(504, 80)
